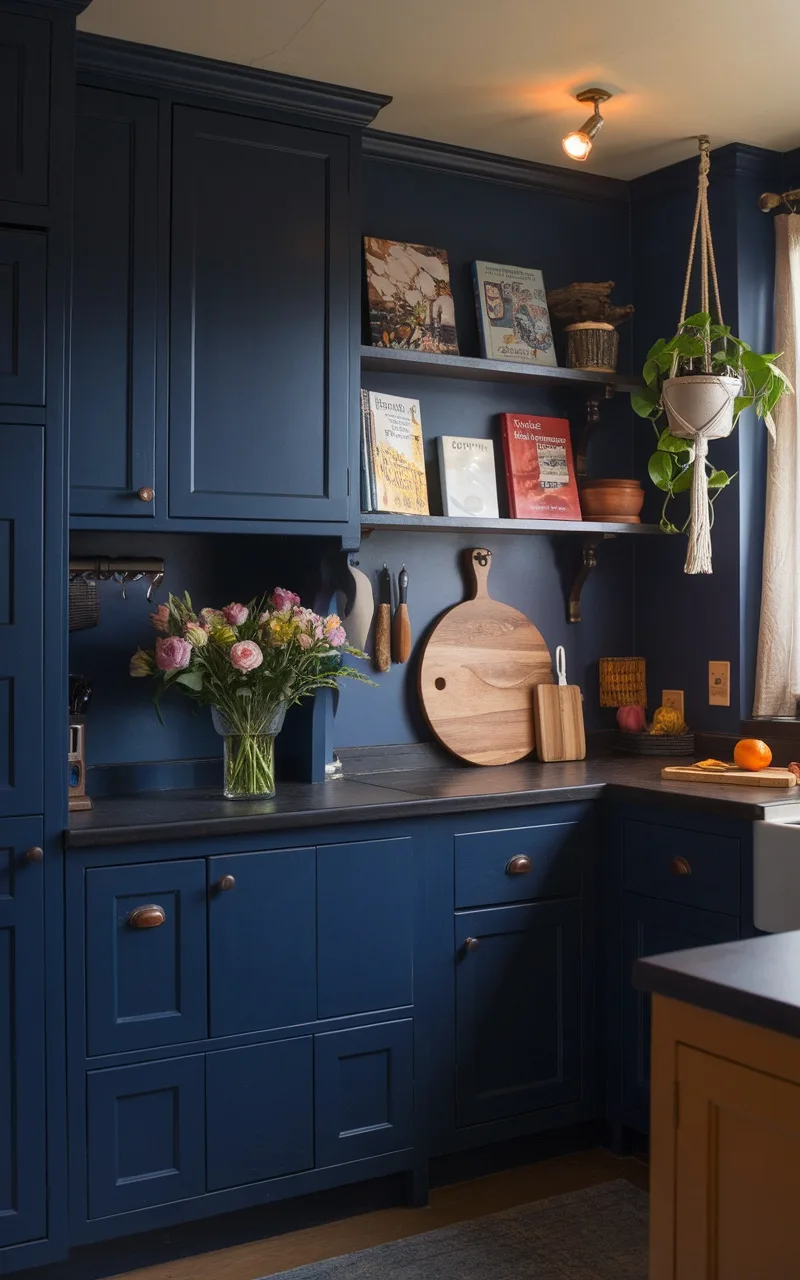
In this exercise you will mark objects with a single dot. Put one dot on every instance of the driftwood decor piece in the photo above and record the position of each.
(579, 303)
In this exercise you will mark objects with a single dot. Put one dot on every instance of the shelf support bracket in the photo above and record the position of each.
(588, 563)
(590, 426)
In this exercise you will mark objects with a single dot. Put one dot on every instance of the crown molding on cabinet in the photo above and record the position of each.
(735, 160)
(464, 162)
(169, 69)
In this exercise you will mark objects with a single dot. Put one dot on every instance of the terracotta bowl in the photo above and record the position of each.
(617, 501)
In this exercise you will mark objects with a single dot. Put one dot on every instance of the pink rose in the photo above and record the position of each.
(173, 654)
(304, 640)
(337, 637)
(235, 614)
(282, 599)
(160, 619)
(246, 655)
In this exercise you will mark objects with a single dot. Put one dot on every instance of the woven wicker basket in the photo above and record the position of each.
(623, 682)
(592, 344)
(651, 744)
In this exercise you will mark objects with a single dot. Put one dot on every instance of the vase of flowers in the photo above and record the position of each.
(249, 664)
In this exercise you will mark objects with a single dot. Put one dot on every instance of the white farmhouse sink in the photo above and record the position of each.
(776, 870)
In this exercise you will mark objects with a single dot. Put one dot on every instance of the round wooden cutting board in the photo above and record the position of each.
(477, 674)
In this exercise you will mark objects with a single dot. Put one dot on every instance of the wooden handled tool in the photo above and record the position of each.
(558, 713)
(401, 625)
(382, 653)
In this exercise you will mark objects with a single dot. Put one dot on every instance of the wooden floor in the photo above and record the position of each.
(457, 1203)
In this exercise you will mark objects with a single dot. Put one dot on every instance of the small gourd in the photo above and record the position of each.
(667, 722)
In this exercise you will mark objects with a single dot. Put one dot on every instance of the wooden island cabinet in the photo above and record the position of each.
(725, 1118)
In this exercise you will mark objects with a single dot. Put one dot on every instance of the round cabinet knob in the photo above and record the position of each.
(471, 944)
(149, 917)
(34, 854)
(145, 494)
(226, 882)
(519, 865)
(680, 867)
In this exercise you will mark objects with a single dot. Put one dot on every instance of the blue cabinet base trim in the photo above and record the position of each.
(261, 1193)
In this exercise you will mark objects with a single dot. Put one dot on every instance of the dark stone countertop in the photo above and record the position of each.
(405, 793)
(756, 980)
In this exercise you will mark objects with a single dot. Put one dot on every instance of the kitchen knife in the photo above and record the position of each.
(401, 625)
(382, 653)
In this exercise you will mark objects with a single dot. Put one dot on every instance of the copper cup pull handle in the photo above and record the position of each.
(149, 917)
(471, 944)
(680, 867)
(226, 882)
(145, 494)
(519, 865)
(34, 854)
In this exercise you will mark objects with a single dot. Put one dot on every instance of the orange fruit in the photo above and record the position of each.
(752, 754)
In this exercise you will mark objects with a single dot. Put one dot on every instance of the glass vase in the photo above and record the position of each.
(249, 756)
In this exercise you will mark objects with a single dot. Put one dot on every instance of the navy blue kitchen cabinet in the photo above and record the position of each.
(24, 109)
(263, 331)
(114, 306)
(364, 1091)
(21, 605)
(23, 1180)
(518, 1010)
(262, 924)
(23, 291)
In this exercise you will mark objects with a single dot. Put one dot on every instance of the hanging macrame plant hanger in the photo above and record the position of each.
(700, 407)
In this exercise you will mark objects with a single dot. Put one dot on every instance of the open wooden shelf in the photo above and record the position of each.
(394, 360)
(429, 524)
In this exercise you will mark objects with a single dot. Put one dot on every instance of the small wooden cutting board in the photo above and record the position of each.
(729, 777)
(558, 717)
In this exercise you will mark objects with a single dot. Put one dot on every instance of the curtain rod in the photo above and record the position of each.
(770, 200)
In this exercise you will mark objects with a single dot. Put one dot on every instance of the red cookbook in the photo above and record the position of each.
(539, 468)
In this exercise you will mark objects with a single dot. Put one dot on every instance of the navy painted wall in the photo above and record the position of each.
(568, 239)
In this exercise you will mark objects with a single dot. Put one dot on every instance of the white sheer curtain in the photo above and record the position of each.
(778, 669)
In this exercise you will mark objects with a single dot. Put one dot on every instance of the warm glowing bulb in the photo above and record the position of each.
(577, 145)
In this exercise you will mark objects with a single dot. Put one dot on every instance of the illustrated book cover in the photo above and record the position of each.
(410, 300)
(513, 318)
(469, 483)
(539, 468)
(394, 453)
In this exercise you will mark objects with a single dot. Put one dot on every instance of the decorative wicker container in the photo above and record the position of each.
(623, 682)
(592, 344)
(655, 744)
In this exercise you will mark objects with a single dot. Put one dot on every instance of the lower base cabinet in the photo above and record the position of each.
(518, 1009)
(364, 1091)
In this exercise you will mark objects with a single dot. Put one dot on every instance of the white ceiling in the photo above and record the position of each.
(499, 75)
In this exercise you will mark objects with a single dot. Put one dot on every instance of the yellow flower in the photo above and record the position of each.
(197, 636)
(224, 636)
(141, 664)
(282, 629)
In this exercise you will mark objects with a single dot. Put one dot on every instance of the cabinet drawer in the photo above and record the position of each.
(518, 864)
(364, 1091)
(145, 986)
(697, 868)
(145, 1135)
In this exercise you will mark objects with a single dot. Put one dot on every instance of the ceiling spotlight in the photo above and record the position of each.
(577, 145)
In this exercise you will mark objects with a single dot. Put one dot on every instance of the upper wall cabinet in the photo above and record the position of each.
(114, 305)
(261, 319)
(23, 286)
(24, 108)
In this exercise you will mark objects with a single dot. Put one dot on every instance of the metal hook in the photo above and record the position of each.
(155, 581)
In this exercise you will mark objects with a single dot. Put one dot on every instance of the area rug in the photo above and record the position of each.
(599, 1233)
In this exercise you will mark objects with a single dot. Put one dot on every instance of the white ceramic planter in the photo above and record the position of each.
(700, 404)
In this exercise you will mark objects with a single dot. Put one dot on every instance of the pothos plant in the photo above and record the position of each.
(699, 346)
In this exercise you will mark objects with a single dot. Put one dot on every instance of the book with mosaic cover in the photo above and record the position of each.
(394, 439)
(513, 318)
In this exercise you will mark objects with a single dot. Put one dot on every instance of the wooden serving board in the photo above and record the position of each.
(558, 718)
(730, 777)
(477, 674)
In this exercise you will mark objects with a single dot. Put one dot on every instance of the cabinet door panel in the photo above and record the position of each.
(112, 418)
(651, 928)
(23, 1204)
(145, 986)
(21, 571)
(365, 926)
(24, 108)
(260, 1112)
(145, 1135)
(364, 1091)
(260, 319)
(262, 941)
(518, 1010)
(23, 274)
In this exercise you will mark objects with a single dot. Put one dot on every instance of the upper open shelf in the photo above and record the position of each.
(394, 360)
(371, 521)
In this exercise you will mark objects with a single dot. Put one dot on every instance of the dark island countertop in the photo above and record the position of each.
(405, 793)
(756, 980)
